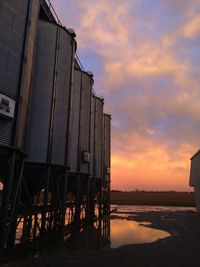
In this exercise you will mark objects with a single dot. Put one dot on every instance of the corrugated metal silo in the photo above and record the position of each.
(97, 137)
(18, 21)
(79, 154)
(51, 95)
(107, 147)
(92, 136)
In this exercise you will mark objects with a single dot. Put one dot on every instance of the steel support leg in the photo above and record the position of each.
(78, 200)
(45, 200)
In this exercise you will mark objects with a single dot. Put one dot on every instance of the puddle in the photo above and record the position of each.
(133, 208)
(120, 215)
(116, 230)
(124, 232)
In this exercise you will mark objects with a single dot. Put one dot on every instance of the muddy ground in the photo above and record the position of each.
(182, 248)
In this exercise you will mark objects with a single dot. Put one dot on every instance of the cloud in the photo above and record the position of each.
(192, 27)
(146, 63)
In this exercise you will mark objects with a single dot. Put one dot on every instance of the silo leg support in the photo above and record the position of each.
(15, 199)
(64, 199)
(100, 198)
(78, 200)
(45, 201)
(92, 198)
(9, 199)
(88, 199)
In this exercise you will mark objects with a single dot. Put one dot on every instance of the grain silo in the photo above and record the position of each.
(52, 138)
(106, 161)
(195, 177)
(97, 137)
(79, 153)
(18, 22)
(97, 147)
(107, 147)
(48, 127)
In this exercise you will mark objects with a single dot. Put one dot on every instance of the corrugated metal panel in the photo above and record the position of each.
(12, 24)
(197, 196)
(98, 144)
(62, 98)
(6, 131)
(27, 72)
(107, 146)
(50, 95)
(75, 117)
(41, 96)
(85, 117)
(80, 125)
(195, 178)
(92, 171)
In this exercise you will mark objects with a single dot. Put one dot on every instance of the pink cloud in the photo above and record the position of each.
(150, 82)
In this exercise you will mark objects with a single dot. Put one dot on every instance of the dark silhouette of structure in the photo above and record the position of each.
(54, 135)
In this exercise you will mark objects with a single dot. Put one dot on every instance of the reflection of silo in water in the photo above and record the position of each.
(79, 153)
(94, 235)
(48, 128)
(18, 21)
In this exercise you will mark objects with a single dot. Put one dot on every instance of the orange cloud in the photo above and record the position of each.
(149, 77)
(192, 27)
(101, 28)
(151, 170)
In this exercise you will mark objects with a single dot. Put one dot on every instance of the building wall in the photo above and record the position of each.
(195, 178)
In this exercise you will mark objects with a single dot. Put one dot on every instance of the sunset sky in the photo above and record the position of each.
(145, 56)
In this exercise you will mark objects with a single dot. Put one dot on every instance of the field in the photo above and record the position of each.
(170, 198)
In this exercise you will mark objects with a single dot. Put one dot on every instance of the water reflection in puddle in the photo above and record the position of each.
(134, 208)
(124, 232)
(114, 231)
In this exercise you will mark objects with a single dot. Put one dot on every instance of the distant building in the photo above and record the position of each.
(195, 177)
